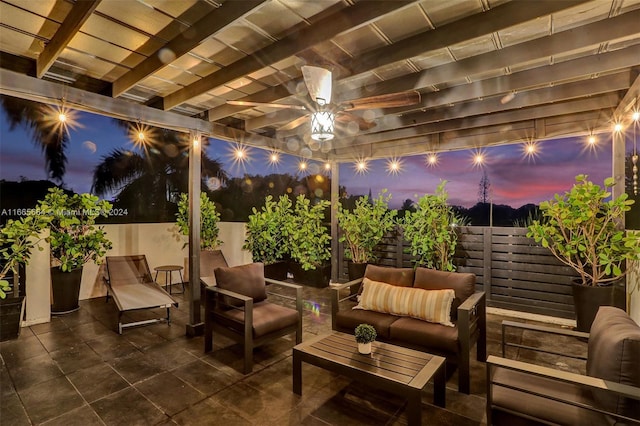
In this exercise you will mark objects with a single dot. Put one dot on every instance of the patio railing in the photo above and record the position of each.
(514, 271)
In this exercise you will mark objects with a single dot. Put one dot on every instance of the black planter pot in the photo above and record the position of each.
(11, 310)
(65, 288)
(355, 271)
(276, 271)
(588, 299)
(318, 277)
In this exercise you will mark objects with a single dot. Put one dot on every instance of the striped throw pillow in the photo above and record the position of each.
(428, 305)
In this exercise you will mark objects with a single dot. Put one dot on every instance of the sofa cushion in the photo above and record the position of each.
(402, 277)
(431, 336)
(247, 280)
(463, 284)
(348, 320)
(613, 354)
(427, 305)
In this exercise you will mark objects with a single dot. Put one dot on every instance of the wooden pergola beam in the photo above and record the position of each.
(78, 15)
(324, 29)
(186, 41)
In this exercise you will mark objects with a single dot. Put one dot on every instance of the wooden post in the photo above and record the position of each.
(195, 327)
(486, 262)
(335, 252)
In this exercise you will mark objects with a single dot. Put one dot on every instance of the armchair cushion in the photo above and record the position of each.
(247, 280)
(428, 305)
(614, 355)
(463, 284)
(267, 318)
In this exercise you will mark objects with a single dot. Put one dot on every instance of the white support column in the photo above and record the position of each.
(617, 167)
(38, 283)
(195, 327)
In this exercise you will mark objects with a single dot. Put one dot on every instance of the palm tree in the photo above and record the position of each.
(151, 178)
(53, 140)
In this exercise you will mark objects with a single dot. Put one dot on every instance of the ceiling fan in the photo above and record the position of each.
(323, 114)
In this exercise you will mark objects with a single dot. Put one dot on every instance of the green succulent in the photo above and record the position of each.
(365, 333)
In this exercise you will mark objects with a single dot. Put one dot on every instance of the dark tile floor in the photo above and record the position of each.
(76, 370)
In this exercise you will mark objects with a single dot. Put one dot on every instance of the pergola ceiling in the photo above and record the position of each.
(488, 72)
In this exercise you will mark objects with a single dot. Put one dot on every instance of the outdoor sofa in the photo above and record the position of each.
(399, 315)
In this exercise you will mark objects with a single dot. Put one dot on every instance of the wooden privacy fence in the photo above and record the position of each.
(514, 271)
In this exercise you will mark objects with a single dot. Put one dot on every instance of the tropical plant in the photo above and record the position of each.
(265, 235)
(431, 231)
(17, 239)
(365, 333)
(149, 180)
(365, 225)
(583, 229)
(209, 219)
(74, 238)
(306, 234)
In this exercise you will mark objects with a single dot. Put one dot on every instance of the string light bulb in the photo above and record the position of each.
(432, 159)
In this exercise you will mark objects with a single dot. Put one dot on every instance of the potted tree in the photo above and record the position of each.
(75, 240)
(363, 228)
(17, 239)
(584, 229)
(308, 239)
(431, 232)
(365, 334)
(209, 230)
(265, 236)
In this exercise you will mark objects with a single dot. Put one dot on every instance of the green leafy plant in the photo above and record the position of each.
(307, 236)
(209, 219)
(265, 235)
(74, 237)
(364, 226)
(17, 240)
(583, 229)
(365, 333)
(431, 231)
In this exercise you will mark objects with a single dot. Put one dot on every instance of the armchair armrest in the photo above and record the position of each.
(540, 329)
(296, 287)
(335, 298)
(593, 383)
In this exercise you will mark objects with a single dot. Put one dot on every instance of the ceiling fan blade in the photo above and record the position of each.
(345, 117)
(295, 123)
(318, 81)
(264, 104)
(391, 100)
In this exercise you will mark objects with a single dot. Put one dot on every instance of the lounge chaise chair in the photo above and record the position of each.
(129, 282)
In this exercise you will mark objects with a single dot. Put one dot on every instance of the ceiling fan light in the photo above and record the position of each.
(322, 125)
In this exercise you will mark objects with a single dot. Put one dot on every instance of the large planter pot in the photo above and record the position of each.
(318, 277)
(588, 299)
(65, 289)
(276, 271)
(355, 271)
(11, 312)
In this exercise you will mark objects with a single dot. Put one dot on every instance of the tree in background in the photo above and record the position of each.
(484, 188)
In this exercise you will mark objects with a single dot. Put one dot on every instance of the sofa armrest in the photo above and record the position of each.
(335, 298)
(593, 383)
(472, 326)
(540, 329)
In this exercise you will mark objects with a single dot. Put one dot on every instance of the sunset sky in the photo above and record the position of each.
(515, 178)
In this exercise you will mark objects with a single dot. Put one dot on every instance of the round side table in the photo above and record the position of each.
(168, 275)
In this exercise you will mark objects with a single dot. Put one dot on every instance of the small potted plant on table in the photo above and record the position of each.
(365, 335)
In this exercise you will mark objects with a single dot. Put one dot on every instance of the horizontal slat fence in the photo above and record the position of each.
(514, 271)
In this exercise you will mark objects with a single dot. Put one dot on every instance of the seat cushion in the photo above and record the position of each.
(463, 284)
(348, 320)
(426, 334)
(247, 280)
(428, 305)
(267, 318)
(526, 404)
(614, 355)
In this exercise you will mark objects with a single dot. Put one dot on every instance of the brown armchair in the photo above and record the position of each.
(520, 393)
(237, 307)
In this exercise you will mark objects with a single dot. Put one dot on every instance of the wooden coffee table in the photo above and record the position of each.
(398, 370)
